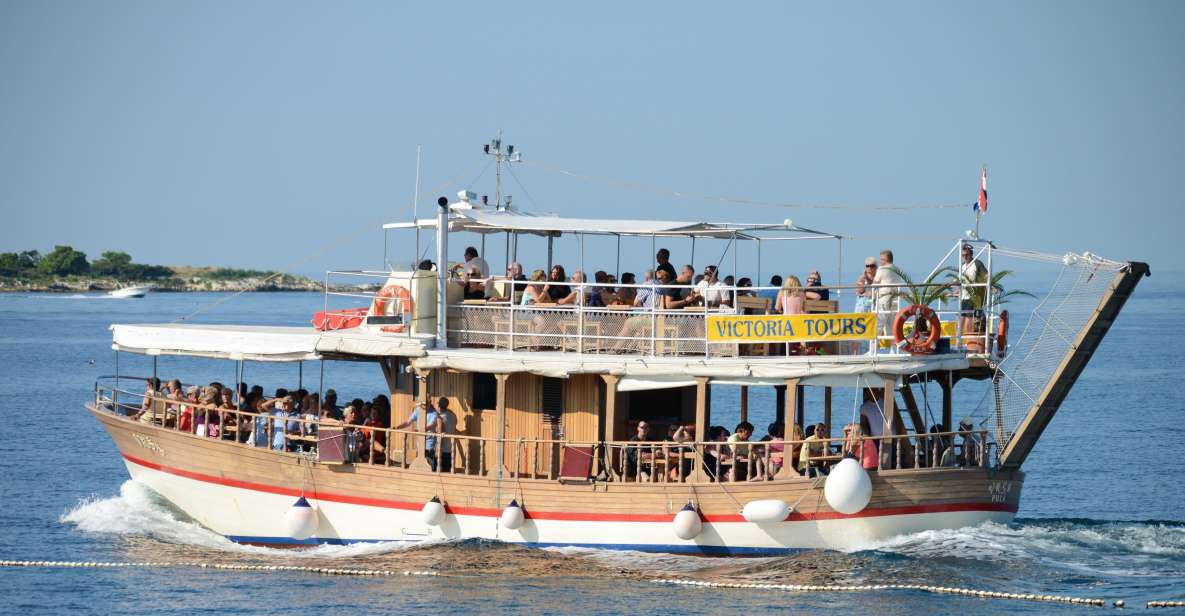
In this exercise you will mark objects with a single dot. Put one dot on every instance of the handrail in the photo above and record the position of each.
(622, 461)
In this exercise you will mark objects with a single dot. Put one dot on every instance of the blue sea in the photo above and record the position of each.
(1103, 511)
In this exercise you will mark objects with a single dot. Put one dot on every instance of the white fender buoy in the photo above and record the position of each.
(848, 488)
(301, 520)
(512, 516)
(687, 523)
(433, 512)
(765, 511)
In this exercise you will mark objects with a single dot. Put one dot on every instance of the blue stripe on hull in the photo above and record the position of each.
(704, 550)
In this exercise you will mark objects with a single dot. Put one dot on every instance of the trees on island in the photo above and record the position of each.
(66, 261)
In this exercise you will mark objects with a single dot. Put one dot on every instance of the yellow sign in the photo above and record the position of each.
(792, 328)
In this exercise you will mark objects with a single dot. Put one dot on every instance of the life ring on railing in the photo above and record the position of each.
(1002, 335)
(383, 300)
(914, 343)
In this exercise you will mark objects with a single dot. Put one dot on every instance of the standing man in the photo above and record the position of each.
(664, 263)
(712, 290)
(439, 422)
(971, 271)
(886, 298)
(473, 261)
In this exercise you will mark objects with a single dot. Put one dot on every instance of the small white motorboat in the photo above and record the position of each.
(126, 292)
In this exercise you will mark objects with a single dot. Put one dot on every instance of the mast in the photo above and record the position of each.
(1050, 399)
(509, 155)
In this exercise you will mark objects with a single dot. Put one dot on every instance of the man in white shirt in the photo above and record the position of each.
(712, 290)
(886, 298)
(472, 262)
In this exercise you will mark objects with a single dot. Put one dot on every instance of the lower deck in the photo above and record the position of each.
(244, 493)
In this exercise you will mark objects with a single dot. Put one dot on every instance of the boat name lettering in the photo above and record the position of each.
(999, 490)
(148, 443)
(791, 328)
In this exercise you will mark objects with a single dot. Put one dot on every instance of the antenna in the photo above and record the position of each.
(509, 155)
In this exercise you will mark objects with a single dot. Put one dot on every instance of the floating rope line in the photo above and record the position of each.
(1152, 604)
(62, 564)
(683, 194)
(971, 592)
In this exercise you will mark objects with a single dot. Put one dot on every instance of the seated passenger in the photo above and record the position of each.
(796, 439)
(863, 449)
(717, 460)
(791, 299)
(744, 287)
(626, 294)
(713, 292)
(669, 297)
(775, 439)
(533, 292)
(152, 406)
(475, 287)
(969, 446)
(815, 280)
(742, 461)
(685, 463)
(556, 287)
(815, 448)
(185, 420)
(775, 281)
(637, 459)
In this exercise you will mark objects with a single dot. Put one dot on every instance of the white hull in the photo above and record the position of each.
(129, 292)
(255, 516)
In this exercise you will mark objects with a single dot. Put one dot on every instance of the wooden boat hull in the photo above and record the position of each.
(244, 493)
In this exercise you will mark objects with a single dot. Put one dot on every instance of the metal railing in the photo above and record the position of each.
(544, 459)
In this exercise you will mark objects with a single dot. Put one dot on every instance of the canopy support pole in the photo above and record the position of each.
(321, 384)
(693, 252)
(442, 273)
(300, 374)
(744, 403)
(618, 256)
(549, 252)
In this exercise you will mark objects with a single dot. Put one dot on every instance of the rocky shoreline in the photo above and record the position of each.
(85, 284)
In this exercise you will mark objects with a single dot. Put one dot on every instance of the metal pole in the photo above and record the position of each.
(549, 251)
(582, 253)
(238, 382)
(300, 374)
(415, 209)
(154, 367)
(839, 269)
(618, 256)
(321, 385)
(734, 257)
(442, 272)
(507, 250)
(693, 252)
(758, 282)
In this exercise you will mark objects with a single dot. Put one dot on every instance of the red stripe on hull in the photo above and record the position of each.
(556, 515)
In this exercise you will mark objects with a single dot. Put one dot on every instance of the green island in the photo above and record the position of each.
(65, 269)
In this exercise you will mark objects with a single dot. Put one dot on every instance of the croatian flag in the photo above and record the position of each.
(981, 204)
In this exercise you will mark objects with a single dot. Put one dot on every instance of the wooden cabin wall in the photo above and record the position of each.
(581, 408)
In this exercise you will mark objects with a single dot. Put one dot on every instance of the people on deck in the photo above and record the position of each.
(887, 297)
(864, 292)
(775, 281)
(473, 261)
(814, 287)
(663, 258)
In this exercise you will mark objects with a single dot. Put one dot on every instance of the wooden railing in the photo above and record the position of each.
(332, 441)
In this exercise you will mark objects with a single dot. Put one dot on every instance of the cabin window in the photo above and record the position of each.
(485, 391)
(553, 400)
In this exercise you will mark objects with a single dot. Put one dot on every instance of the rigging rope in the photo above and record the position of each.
(326, 248)
(685, 194)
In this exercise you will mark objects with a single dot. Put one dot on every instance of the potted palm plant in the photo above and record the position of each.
(922, 294)
(976, 298)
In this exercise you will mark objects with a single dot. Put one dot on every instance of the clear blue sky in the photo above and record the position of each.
(257, 134)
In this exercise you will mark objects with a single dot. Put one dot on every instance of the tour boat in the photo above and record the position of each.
(129, 292)
(547, 395)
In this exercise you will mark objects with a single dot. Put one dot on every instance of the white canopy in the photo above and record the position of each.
(252, 342)
(475, 219)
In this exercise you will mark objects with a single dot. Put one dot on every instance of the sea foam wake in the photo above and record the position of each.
(1083, 546)
(138, 511)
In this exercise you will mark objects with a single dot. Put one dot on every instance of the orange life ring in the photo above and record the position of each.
(382, 301)
(915, 344)
(1002, 335)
